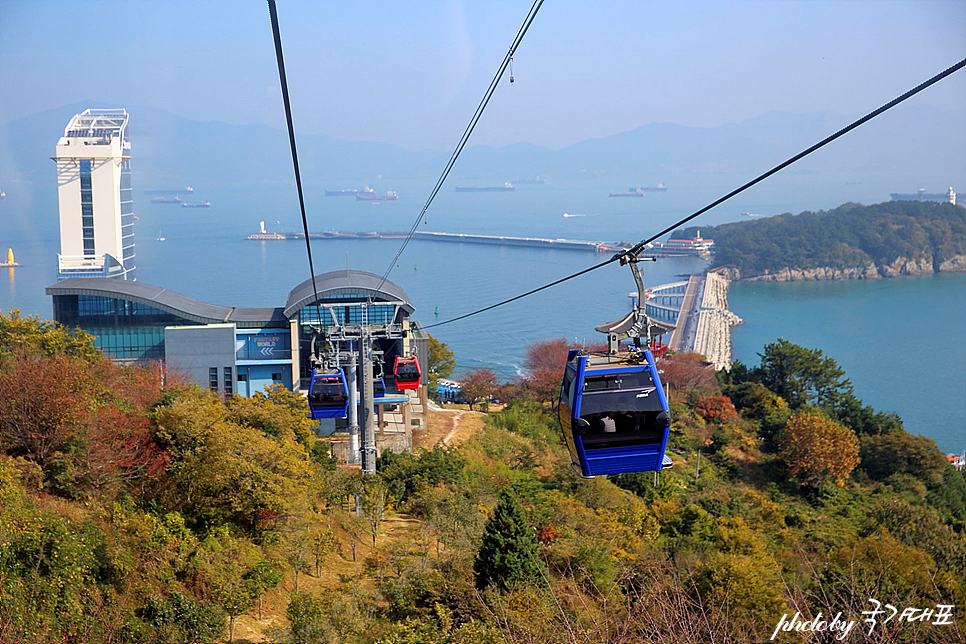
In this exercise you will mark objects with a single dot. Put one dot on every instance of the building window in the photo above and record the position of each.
(276, 377)
(87, 207)
(242, 377)
(213, 378)
(229, 390)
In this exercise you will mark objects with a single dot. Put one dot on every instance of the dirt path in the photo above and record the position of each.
(449, 427)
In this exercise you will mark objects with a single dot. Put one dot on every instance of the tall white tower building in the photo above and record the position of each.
(94, 191)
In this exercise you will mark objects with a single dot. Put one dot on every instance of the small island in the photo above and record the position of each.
(850, 242)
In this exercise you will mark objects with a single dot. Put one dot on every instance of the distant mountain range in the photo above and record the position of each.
(171, 150)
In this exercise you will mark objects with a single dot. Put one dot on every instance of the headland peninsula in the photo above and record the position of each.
(852, 241)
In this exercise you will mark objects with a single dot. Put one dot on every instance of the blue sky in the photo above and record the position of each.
(411, 73)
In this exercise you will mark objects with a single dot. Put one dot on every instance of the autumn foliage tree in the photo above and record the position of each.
(816, 448)
(478, 386)
(544, 362)
(688, 372)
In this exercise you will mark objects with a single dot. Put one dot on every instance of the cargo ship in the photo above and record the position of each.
(634, 192)
(659, 188)
(165, 200)
(529, 181)
(389, 196)
(922, 195)
(203, 204)
(187, 189)
(341, 193)
(695, 247)
(506, 187)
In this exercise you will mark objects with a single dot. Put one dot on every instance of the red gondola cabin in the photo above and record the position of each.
(406, 372)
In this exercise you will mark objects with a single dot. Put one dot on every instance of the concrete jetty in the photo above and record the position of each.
(702, 320)
(459, 238)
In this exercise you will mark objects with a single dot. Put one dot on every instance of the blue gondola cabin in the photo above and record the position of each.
(328, 395)
(614, 414)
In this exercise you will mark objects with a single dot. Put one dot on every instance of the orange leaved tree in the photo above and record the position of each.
(816, 448)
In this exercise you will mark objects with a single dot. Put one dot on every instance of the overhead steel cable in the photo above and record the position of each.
(639, 247)
(291, 137)
(466, 133)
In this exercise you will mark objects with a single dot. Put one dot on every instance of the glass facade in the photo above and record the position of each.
(87, 206)
(349, 313)
(127, 219)
(123, 330)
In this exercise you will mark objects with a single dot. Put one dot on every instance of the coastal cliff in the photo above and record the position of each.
(870, 271)
(853, 241)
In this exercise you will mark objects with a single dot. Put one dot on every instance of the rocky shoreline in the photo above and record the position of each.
(871, 271)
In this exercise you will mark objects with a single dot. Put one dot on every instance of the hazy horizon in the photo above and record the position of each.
(412, 74)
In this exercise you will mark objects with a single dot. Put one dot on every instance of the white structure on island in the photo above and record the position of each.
(94, 194)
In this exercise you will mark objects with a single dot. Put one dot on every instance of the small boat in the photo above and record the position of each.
(160, 238)
(203, 204)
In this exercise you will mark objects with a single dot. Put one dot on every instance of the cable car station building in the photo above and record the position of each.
(234, 350)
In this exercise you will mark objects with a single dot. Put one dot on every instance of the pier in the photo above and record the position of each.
(459, 238)
(698, 311)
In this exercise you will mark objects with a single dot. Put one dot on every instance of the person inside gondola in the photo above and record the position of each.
(628, 422)
(606, 424)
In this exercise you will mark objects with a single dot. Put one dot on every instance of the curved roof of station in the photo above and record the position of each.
(347, 282)
(169, 302)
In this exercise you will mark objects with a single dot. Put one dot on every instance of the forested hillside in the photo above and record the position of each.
(850, 242)
(135, 508)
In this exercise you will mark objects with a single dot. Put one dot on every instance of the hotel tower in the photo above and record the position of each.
(94, 192)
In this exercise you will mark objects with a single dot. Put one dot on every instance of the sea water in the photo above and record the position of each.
(901, 341)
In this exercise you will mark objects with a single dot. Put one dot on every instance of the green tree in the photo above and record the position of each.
(441, 362)
(375, 502)
(902, 453)
(32, 336)
(508, 554)
(307, 616)
(802, 376)
(263, 576)
(816, 448)
(234, 596)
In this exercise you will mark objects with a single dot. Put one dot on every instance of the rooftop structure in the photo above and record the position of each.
(94, 193)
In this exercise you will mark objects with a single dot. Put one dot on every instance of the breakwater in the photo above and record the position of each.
(459, 238)
(704, 322)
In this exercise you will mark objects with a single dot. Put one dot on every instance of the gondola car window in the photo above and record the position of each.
(327, 389)
(638, 380)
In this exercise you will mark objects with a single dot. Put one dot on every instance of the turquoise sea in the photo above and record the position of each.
(901, 341)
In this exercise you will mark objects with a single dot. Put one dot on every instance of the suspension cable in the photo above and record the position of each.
(291, 137)
(639, 247)
(466, 133)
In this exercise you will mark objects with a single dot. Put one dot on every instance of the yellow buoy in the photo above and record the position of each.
(10, 261)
